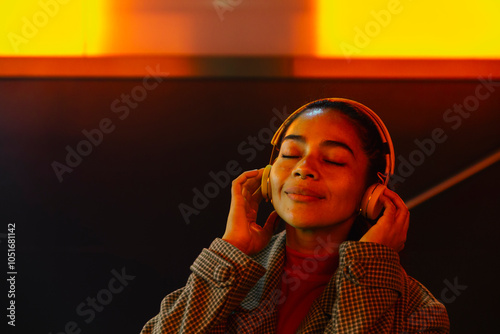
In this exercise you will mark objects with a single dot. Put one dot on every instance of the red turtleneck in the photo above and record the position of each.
(304, 279)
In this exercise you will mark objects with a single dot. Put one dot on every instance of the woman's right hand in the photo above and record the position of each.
(242, 230)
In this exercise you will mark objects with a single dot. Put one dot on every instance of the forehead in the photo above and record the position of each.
(325, 124)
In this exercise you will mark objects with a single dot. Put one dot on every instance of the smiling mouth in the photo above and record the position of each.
(303, 195)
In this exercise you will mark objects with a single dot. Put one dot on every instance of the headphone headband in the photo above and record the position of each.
(382, 130)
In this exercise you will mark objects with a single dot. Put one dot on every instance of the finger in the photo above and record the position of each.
(242, 179)
(257, 195)
(252, 189)
(406, 224)
(255, 199)
(400, 204)
(246, 194)
(403, 233)
(245, 176)
(271, 223)
(401, 209)
(254, 182)
(402, 218)
(256, 227)
(389, 207)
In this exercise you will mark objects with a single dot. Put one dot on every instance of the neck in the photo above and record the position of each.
(322, 241)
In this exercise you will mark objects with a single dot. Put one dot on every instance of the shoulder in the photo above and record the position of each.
(423, 310)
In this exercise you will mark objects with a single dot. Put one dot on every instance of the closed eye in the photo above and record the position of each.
(335, 163)
(289, 156)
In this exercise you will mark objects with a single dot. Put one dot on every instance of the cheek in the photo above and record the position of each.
(348, 189)
(358, 194)
(275, 181)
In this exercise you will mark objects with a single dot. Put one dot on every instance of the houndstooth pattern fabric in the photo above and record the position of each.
(230, 292)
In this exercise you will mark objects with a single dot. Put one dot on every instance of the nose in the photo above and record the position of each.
(306, 169)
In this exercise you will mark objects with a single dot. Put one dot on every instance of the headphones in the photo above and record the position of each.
(371, 207)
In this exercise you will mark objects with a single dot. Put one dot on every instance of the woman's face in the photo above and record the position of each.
(319, 176)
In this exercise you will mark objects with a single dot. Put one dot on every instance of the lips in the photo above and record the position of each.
(303, 194)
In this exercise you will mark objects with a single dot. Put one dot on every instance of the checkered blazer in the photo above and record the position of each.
(230, 292)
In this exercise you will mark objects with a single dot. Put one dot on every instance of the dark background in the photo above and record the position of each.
(118, 210)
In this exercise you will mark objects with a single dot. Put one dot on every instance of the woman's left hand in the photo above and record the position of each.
(391, 228)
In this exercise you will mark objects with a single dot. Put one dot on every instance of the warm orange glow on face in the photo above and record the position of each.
(406, 28)
(52, 27)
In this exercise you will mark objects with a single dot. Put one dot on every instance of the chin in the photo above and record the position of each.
(302, 219)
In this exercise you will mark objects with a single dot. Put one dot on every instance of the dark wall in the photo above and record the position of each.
(117, 211)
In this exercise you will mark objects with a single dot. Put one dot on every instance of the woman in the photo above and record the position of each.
(331, 270)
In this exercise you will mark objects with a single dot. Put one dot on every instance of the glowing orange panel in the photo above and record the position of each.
(406, 28)
(51, 27)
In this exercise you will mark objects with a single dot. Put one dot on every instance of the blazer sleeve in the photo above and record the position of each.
(221, 277)
(375, 295)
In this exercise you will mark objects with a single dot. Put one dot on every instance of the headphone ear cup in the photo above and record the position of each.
(265, 185)
(371, 206)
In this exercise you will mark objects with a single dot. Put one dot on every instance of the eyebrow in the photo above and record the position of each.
(327, 143)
